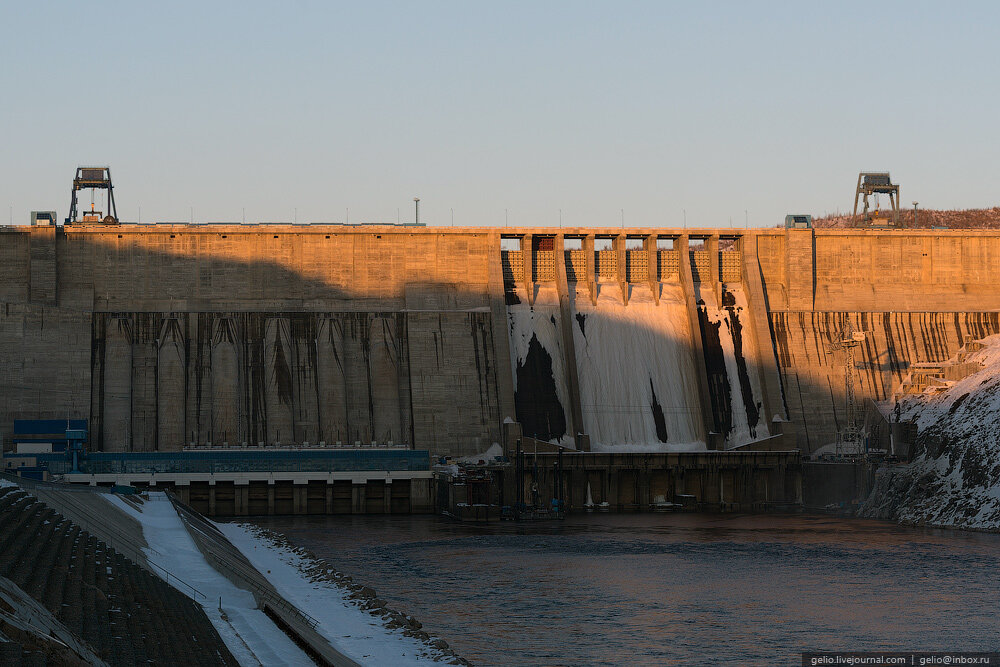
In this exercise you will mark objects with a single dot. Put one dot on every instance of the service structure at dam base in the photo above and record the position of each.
(225, 484)
(626, 348)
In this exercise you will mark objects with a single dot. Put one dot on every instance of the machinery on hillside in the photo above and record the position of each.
(93, 179)
(870, 186)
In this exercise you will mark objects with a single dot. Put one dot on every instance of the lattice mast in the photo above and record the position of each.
(848, 339)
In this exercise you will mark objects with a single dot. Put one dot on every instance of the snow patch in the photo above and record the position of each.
(250, 635)
(353, 631)
(494, 451)
(652, 447)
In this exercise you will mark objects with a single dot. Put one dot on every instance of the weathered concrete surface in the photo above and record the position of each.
(163, 335)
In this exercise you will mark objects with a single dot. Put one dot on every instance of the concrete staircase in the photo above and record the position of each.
(126, 614)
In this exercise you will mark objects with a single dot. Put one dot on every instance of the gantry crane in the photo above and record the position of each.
(872, 184)
(93, 178)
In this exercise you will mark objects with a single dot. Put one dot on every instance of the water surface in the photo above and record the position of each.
(665, 589)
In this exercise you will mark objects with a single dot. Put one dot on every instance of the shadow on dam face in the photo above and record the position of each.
(199, 339)
(167, 337)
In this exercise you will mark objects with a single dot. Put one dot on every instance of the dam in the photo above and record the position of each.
(650, 341)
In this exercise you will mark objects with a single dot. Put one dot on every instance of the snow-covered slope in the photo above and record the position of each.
(250, 635)
(955, 479)
(358, 633)
(363, 635)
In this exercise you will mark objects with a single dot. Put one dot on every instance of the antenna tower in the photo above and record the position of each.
(850, 439)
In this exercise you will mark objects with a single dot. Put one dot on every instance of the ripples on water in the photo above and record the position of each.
(670, 589)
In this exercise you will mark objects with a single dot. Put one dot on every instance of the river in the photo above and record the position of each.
(670, 589)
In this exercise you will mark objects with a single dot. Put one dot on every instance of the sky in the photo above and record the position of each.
(598, 113)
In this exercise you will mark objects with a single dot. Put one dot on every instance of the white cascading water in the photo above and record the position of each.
(637, 373)
(539, 322)
(742, 432)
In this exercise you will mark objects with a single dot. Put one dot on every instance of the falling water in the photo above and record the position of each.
(637, 373)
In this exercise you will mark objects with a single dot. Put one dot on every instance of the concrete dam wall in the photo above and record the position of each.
(164, 336)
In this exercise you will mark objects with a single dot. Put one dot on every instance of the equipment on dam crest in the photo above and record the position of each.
(43, 218)
(93, 178)
(872, 184)
(798, 221)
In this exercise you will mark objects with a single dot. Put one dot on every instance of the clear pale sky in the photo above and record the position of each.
(589, 107)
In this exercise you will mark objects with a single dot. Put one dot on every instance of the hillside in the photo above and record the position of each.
(973, 218)
(954, 480)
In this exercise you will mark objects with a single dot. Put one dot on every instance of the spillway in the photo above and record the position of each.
(638, 383)
(734, 388)
(541, 397)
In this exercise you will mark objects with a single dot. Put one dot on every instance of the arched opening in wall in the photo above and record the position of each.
(701, 262)
(730, 259)
(668, 261)
(636, 259)
(512, 265)
(605, 257)
(543, 260)
(575, 258)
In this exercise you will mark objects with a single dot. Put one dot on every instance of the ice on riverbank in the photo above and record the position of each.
(249, 634)
(308, 584)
